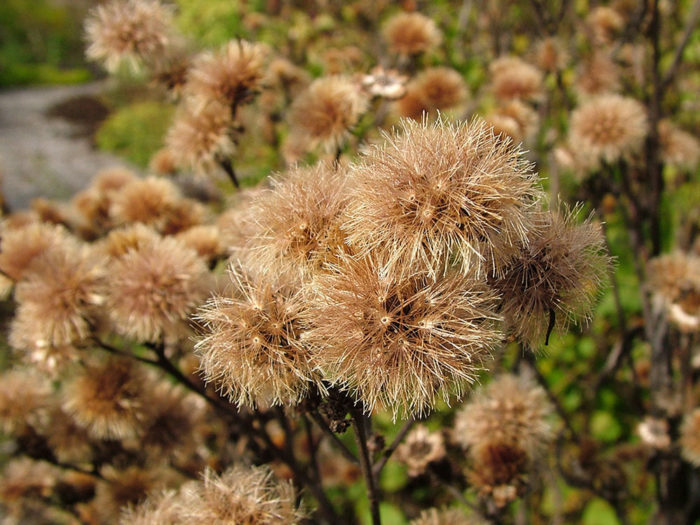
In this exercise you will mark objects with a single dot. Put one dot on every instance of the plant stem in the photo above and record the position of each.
(391, 448)
(227, 166)
(358, 421)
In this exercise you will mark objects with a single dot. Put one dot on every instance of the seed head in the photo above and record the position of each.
(399, 338)
(513, 78)
(446, 517)
(678, 147)
(420, 448)
(690, 437)
(433, 90)
(411, 34)
(439, 191)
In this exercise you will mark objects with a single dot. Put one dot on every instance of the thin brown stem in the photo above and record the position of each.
(392, 447)
(344, 450)
(227, 166)
(361, 436)
(690, 25)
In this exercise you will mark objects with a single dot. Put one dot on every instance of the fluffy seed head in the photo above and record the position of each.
(513, 119)
(439, 190)
(399, 338)
(108, 398)
(434, 89)
(240, 496)
(132, 31)
(604, 22)
(201, 138)
(253, 349)
(153, 289)
(147, 201)
(411, 34)
(675, 282)
(678, 147)
(445, 517)
(57, 297)
(607, 128)
(550, 55)
(203, 239)
(559, 269)
(498, 471)
(23, 393)
(419, 449)
(690, 437)
(598, 75)
(20, 246)
(120, 241)
(325, 112)
(159, 509)
(510, 410)
(513, 78)
(230, 75)
(296, 219)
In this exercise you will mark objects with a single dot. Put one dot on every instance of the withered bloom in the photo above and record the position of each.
(498, 471)
(23, 395)
(446, 517)
(513, 119)
(153, 289)
(120, 241)
(21, 245)
(550, 55)
(296, 218)
(131, 31)
(397, 337)
(57, 297)
(411, 34)
(324, 113)
(159, 509)
(608, 128)
(420, 448)
(239, 495)
(204, 239)
(252, 349)
(555, 277)
(200, 139)
(108, 398)
(148, 201)
(597, 75)
(129, 486)
(510, 410)
(389, 84)
(675, 281)
(513, 78)
(678, 147)
(229, 76)
(434, 89)
(441, 190)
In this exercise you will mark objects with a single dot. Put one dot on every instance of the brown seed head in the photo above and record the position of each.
(21, 245)
(678, 147)
(147, 201)
(419, 449)
(411, 34)
(397, 337)
(23, 395)
(513, 78)
(690, 437)
(446, 517)
(434, 89)
(597, 75)
(607, 128)
(153, 289)
(442, 190)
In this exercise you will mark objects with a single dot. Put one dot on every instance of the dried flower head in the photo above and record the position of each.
(57, 297)
(108, 398)
(597, 75)
(241, 495)
(25, 478)
(203, 239)
(200, 139)
(498, 471)
(439, 190)
(608, 128)
(654, 432)
(513, 119)
(148, 201)
(129, 486)
(411, 34)
(555, 278)
(68, 441)
(23, 395)
(420, 448)
(446, 517)
(678, 147)
(131, 31)
(20, 246)
(397, 337)
(252, 349)
(153, 289)
(675, 281)
(296, 218)
(229, 76)
(163, 162)
(550, 55)
(690, 437)
(324, 113)
(510, 410)
(159, 509)
(513, 78)
(120, 241)
(604, 22)
(434, 89)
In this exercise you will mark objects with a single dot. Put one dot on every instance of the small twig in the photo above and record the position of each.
(690, 24)
(392, 447)
(227, 166)
(344, 450)
(118, 351)
(358, 421)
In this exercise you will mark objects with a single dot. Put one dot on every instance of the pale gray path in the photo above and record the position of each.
(40, 156)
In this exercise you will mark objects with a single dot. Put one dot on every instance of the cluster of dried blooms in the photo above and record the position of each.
(406, 252)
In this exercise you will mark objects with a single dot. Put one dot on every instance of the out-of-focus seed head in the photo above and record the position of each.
(123, 487)
(558, 272)
(23, 396)
(678, 148)
(397, 337)
(120, 241)
(511, 410)
(440, 190)
(241, 495)
(608, 128)
(498, 471)
(675, 281)
(513, 119)
(446, 517)
(230, 76)
(148, 201)
(432, 90)
(296, 219)
(513, 78)
(550, 55)
(200, 139)
(252, 349)
(153, 290)
(203, 239)
(597, 75)
(420, 448)
(411, 34)
(159, 509)
(323, 114)
(130, 31)
(604, 23)
(108, 399)
(21, 245)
